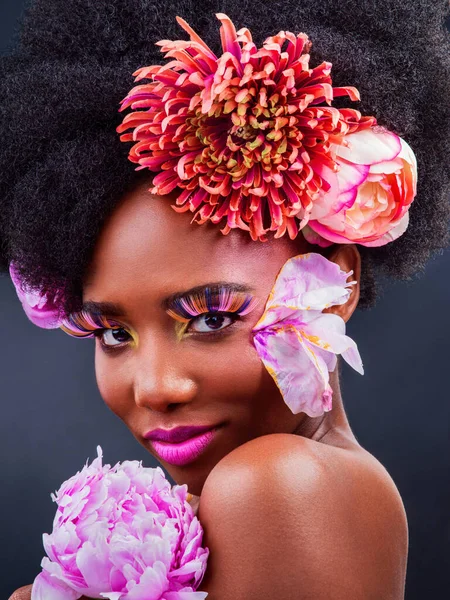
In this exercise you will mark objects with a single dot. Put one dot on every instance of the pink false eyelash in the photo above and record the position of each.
(84, 325)
(211, 300)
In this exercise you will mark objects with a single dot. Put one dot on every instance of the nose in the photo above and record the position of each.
(160, 379)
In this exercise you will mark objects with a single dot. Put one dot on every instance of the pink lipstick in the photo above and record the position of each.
(181, 445)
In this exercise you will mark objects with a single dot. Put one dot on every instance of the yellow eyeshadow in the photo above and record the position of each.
(180, 328)
(134, 337)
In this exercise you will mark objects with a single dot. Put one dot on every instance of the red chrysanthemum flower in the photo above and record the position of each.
(242, 136)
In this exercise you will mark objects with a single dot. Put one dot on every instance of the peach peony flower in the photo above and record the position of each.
(374, 212)
(245, 137)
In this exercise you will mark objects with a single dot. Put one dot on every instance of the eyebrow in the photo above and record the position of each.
(116, 310)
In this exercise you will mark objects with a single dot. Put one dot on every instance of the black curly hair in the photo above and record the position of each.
(63, 168)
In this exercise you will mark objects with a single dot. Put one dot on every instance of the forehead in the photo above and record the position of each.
(146, 242)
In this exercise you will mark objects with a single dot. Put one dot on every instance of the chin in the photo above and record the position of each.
(191, 462)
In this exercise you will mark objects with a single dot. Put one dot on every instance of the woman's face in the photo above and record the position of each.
(159, 372)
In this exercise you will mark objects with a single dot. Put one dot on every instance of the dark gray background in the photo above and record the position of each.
(53, 416)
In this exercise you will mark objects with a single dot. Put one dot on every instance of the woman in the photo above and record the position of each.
(276, 484)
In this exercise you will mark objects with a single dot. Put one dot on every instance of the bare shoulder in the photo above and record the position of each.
(23, 593)
(305, 520)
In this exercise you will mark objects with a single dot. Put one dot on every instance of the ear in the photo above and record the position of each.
(347, 256)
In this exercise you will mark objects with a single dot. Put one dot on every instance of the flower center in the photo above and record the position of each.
(247, 132)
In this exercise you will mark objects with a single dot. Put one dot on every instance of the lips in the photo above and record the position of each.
(177, 434)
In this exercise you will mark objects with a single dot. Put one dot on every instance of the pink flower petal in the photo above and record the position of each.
(369, 147)
(307, 282)
(297, 343)
(48, 587)
(328, 234)
(300, 374)
(92, 564)
(314, 238)
(152, 584)
(392, 234)
(351, 175)
(40, 311)
(183, 595)
(328, 332)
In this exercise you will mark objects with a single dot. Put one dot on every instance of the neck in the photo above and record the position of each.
(332, 427)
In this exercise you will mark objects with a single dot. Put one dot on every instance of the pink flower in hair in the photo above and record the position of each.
(122, 533)
(246, 137)
(40, 308)
(297, 342)
(375, 211)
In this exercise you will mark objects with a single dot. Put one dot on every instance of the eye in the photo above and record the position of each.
(108, 337)
(209, 322)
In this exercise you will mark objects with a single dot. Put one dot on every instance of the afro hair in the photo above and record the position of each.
(63, 168)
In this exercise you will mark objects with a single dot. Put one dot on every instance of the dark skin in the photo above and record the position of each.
(146, 252)
(164, 382)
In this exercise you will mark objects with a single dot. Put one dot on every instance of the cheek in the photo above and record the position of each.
(231, 373)
(112, 382)
(228, 376)
(237, 368)
(243, 390)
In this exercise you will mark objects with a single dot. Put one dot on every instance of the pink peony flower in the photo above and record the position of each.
(122, 533)
(373, 210)
(296, 341)
(41, 309)
(242, 136)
